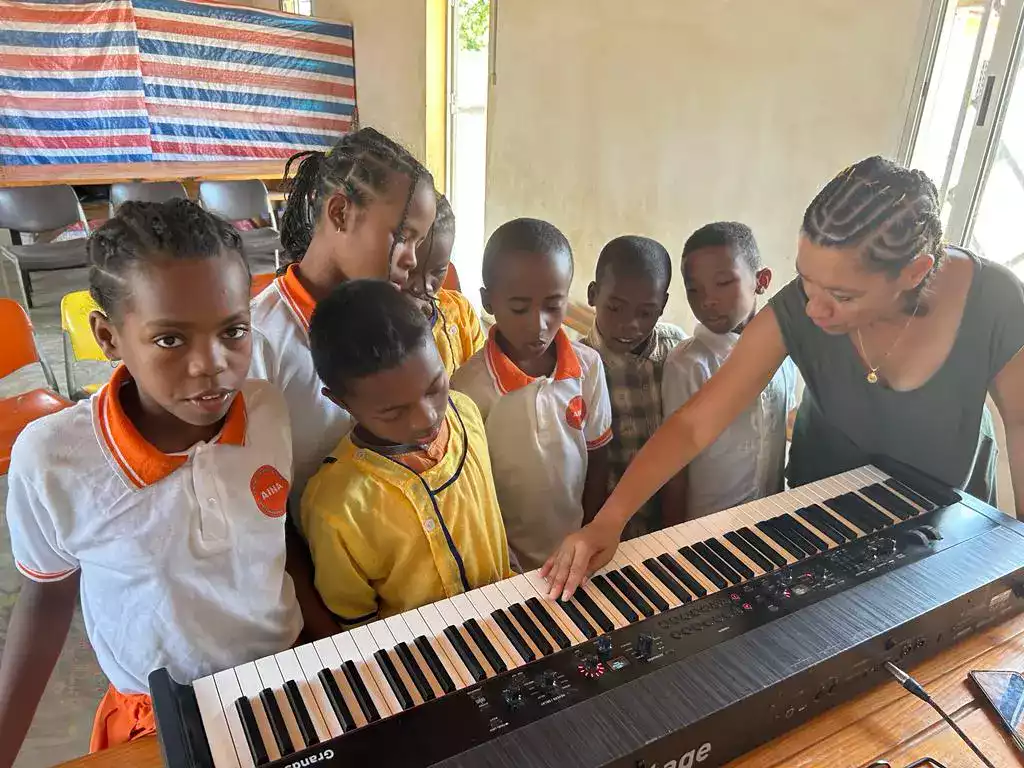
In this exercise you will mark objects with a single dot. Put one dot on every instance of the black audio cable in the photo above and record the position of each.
(915, 688)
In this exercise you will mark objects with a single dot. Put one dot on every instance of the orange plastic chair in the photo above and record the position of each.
(261, 281)
(451, 280)
(18, 349)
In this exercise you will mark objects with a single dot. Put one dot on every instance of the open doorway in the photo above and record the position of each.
(467, 136)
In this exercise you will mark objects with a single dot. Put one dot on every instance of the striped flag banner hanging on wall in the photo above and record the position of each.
(70, 87)
(228, 83)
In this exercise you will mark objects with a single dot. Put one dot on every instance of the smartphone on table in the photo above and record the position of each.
(1004, 692)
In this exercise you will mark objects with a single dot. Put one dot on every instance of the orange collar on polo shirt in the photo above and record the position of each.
(509, 377)
(298, 298)
(141, 462)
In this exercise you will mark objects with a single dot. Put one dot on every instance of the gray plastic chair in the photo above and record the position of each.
(34, 210)
(145, 192)
(244, 201)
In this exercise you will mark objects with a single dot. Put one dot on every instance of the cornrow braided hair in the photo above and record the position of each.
(361, 166)
(891, 213)
(141, 232)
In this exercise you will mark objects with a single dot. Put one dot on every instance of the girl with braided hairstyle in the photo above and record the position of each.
(357, 211)
(899, 337)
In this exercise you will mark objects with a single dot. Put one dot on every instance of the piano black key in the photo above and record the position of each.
(698, 562)
(443, 678)
(415, 673)
(747, 549)
(277, 726)
(302, 718)
(833, 521)
(766, 549)
(531, 629)
(630, 594)
(518, 642)
(792, 525)
(646, 589)
(576, 616)
(822, 523)
(851, 503)
(474, 666)
(667, 579)
(925, 504)
(488, 650)
(361, 693)
(680, 573)
(341, 710)
(554, 631)
(882, 496)
(251, 731)
(394, 680)
(780, 538)
(731, 560)
(615, 599)
(784, 529)
(593, 610)
(712, 559)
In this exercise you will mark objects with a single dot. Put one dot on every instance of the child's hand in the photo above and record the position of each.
(580, 555)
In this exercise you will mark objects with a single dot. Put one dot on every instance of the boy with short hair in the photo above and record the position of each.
(629, 294)
(403, 512)
(456, 327)
(543, 397)
(724, 275)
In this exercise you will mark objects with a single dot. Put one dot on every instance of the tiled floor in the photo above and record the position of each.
(64, 718)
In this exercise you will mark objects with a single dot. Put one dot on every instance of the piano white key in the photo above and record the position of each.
(501, 644)
(483, 608)
(230, 692)
(215, 723)
(345, 650)
(436, 623)
(385, 641)
(671, 547)
(524, 587)
(452, 618)
(751, 522)
(402, 634)
(418, 627)
(719, 526)
(498, 601)
(540, 591)
(829, 543)
(311, 662)
(363, 642)
(635, 554)
(251, 685)
(270, 674)
(291, 669)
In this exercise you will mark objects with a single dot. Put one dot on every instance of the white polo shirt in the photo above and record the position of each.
(539, 431)
(747, 460)
(181, 555)
(280, 354)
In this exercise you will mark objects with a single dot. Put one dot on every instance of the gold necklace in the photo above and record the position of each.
(872, 377)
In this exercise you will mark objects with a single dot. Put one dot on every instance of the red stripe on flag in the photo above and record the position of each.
(73, 142)
(199, 75)
(286, 42)
(61, 104)
(234, 150)
(249, 116)
(77, 64)
(56, 14)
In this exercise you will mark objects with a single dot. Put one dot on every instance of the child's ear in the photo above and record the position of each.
(485, 301)
(592, 294)
(764, 279)
(339, 212)
(334, 398)
(105, 334)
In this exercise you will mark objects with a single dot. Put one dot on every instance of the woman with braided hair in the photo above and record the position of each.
(899, 337)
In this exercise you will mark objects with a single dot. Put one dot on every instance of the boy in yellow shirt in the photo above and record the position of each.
(403, 512)
(456, 327)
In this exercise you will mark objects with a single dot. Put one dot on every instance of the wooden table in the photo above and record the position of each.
(111, 173)
(886, 723)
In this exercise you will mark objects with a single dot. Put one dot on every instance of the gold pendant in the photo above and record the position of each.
(872, 377)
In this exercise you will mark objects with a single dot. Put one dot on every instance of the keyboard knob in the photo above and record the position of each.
(603, 646)
(513, 696)
(645, 647)
(549, 680)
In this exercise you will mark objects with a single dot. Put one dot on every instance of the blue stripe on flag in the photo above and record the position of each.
(194, 130)
(213, 55)
(74, 124)
(93, 85)
(9, 159)
(63, 41)
(296, 23)
(246, 99)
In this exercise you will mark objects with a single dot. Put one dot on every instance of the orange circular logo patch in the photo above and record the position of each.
(269, 491)
(576, 412)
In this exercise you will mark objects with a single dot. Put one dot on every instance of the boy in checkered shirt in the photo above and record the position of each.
(628, 294)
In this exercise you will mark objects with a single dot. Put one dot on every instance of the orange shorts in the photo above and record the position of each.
(120, 718)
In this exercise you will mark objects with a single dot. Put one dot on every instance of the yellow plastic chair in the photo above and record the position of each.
(79, 343)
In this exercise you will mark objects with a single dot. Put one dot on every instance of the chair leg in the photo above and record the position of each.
(26, 283)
